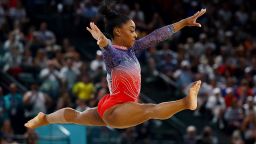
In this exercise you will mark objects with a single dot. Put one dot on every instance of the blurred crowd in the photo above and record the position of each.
(222, 54)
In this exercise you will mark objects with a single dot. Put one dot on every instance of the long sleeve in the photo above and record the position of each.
(153, 38)
(108, 53)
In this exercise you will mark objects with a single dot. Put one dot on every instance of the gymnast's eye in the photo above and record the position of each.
(132, 31)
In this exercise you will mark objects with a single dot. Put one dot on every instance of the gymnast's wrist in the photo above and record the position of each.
(184, 22)
(179, 25)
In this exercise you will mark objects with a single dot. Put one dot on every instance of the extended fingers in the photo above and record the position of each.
(199, 13)
(90, 30)
(94, 27)
(203, 11)
(197, 82)
(196, 14)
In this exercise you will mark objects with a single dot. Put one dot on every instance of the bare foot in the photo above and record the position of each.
(37, 121)
(191, 99)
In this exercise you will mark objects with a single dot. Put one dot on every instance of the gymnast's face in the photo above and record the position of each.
(126, 33)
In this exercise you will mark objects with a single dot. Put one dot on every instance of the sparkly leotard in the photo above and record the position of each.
(123, 69)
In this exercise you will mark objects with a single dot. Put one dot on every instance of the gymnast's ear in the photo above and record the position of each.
(117, 31)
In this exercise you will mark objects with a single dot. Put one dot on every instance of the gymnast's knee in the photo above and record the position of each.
(70, 114)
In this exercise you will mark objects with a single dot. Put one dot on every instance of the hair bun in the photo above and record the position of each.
(112, 18)
(107, 9)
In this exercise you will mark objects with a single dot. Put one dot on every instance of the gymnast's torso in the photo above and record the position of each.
(122, 65)
(123, 71)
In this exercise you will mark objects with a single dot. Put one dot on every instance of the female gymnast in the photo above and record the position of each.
(120, 108)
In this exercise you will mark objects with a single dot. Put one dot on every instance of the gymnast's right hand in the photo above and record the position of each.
(102, 41)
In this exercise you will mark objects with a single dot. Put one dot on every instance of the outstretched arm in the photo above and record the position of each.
(166, 32)
(102, 41)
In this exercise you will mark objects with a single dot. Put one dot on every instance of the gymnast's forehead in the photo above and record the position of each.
(130, 24)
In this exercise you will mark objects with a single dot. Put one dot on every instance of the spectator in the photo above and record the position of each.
(45, 35)
(205, 68)
(84, 89)
(191, 135)
(50, 77)
(15, 109)
(101, 88)
(88, 10)
(168, 64)
(12, 42)
(40, 59)
(230, 97)
(248, 127)
(234, 115)
(215, 103)
(207, 137)
(27, 60)
(250, 105)
(35, 101)
(13, 59)
(18, 12)
(98, 62)
(64, 100)
(220, 122)
(66, 45)
(138, 16)
(69, 73)
(13, 54)
(237, 138)
(7, 132)
(244, 90)
(184, 75)
(81, 106)
(19, 36)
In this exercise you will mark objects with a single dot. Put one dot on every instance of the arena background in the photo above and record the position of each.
(40, 39)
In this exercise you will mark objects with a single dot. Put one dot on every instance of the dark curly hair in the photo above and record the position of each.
(112, 18)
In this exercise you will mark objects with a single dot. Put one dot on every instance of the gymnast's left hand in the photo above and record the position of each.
(191, 21)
